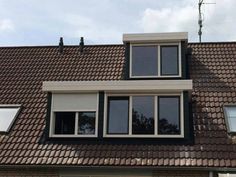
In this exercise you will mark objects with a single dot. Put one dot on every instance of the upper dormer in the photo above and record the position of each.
(156, 55)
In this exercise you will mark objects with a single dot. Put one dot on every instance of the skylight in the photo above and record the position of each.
(7, 117)
(230, 113)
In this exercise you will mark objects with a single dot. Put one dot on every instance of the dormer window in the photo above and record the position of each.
(155, 60)
(155, 55)
(144, 115)
(169, 59)
(74, 115)
(144, 60)
(126, 109)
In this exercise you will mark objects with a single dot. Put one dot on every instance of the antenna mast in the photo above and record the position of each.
(200, 20)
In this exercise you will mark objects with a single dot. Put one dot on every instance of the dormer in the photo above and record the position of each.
(129, 108)
(156, 55)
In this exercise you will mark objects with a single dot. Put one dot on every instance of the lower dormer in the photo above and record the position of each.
(119, 109)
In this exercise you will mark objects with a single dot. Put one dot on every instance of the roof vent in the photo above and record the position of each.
(81, 44)
(61, 45)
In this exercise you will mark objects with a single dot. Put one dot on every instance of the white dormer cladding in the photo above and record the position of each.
(118, 86)
(155, 55)
(155, 37)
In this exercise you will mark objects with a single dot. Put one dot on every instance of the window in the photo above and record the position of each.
(143, 115)
(155, 60)
(8, 113)
(140, 115)
(168, 115)
(144, 60)
(65, 123)
(86, 123)
(118, 115)
(230, 114)
(169, 60)
(74, 115)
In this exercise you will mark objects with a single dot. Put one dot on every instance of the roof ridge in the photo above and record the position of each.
(52, 46)
(222, 42)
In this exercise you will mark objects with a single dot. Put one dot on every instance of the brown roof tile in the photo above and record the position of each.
(212, 68)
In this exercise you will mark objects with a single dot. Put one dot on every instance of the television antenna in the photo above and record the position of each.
(200, 18)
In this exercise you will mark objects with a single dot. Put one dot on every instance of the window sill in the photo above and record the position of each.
(156, 77)
(143, 136)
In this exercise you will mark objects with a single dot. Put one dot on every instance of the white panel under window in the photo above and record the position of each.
(7, 117)
(74, 102)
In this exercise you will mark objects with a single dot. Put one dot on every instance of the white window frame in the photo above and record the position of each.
(158, 60)
(227, 117)
(2, 106)
(75, 135)
(156, 135)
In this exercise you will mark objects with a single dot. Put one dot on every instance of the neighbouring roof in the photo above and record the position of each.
(23, 69)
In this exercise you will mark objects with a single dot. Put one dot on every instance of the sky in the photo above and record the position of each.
(43, 22)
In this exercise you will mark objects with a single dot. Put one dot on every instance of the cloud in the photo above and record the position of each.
(169, 19)
(93, 30)
(219, 23)
(6, 25)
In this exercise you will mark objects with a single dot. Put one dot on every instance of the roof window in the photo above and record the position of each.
(230, 115)
(8, 113)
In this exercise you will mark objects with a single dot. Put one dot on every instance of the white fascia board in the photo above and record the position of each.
(155, 37)
(119, 86)
(227, 174)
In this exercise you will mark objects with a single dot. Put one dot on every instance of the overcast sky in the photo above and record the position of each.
(42, 22)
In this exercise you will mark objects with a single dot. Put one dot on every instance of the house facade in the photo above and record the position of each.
(155, 105)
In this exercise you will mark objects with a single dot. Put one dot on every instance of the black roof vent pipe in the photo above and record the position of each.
(81, 44)
(61, 45)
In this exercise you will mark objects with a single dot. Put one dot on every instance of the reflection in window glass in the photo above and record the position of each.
(169, 60)
(118, 115)
(143, 115)
(144, 61)
(86, 123)
(169, 115)
(64, 122)
(7, 116)
(231, 116)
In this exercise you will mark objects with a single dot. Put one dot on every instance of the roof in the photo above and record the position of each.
(23, 69)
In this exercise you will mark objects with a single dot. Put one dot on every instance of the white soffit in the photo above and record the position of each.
(119, 86)
(155, 37)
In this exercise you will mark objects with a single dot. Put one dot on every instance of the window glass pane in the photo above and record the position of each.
(118, 115)
(232, 124)
(231, 116)
(144, 60)
(231, 111)
(64, 122)
(143, 115)
(169, 60)
(168, 115)
(7, 116)
(86, 123)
